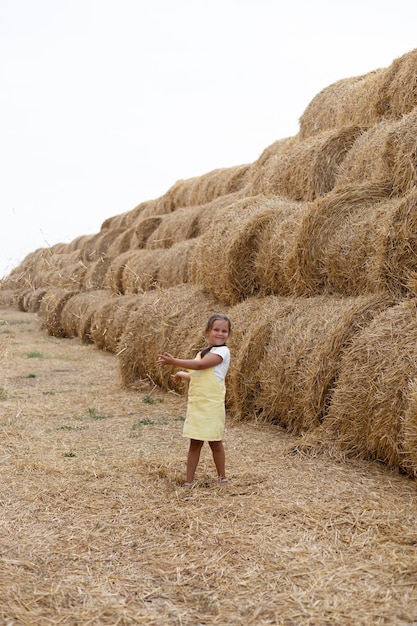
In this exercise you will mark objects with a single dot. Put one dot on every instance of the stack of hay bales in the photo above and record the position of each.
(312, 252)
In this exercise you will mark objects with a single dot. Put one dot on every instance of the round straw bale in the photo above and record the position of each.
(176, 263)
(8, 297)
(301, 360)
(393, 145)
(372, 411)
(309, 168)
(252, 322)
(114, 275)
(397, 92)
(335, 249)
(22, 298)
(170, 320)
(177, 226)
(50, 310)
(350, 101)
(77, 313)
(144, 228)
(108, 320)
(202, 189)
(95, 273)
(264, 168)
(34, 299)
(79, 242)
(275, 246)
(123, 242)
(225, 256)
(140, 272)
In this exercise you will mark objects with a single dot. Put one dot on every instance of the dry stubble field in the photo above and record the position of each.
(96, 528)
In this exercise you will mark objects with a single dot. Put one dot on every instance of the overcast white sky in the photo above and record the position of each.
(107, 103)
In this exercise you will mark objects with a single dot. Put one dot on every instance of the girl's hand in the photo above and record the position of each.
(184, 375)
(165, 359)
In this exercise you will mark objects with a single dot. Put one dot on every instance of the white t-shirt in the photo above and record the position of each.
(220, 370)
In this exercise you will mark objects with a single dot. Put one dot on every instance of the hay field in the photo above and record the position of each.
(96, 528)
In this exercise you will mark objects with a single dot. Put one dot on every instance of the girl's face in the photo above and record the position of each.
(218, 334)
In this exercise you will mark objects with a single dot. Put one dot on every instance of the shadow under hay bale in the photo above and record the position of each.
(303, 341)
(78, 311)
(372, 414)
(171, 320)
(339, 245)
(232, 243)
(350, 101)
(51, 308)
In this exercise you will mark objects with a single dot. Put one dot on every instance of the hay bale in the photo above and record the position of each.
(95, 273)
(372, 412)
(34, 298)
(339, 242)
(171, 320)
(205, 188)
(252, 321)
(347, 102)
(177, 226)
(78, 310)
(397, 92)
(230, 246)
(51, 308)
(308, 169)
(109, 319)
(140, 270)
(264, 168)
(393, 145)
(176, 263)
(275, 246)
(302, 354)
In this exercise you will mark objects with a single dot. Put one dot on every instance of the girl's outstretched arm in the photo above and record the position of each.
(209, 360)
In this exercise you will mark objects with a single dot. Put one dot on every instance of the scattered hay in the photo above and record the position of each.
(372, 412)
(348, 102)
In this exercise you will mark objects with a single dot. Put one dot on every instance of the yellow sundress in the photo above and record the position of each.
(206, 414)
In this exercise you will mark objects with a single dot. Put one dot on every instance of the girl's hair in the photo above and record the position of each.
(213, 318)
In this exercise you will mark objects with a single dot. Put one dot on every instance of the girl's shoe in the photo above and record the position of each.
(223, 479)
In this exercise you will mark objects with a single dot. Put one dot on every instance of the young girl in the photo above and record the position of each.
(205, 418)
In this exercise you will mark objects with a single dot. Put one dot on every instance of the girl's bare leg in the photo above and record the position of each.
(193, 458)
(219, 458)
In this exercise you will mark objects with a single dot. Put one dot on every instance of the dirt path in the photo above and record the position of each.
(96, 528)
